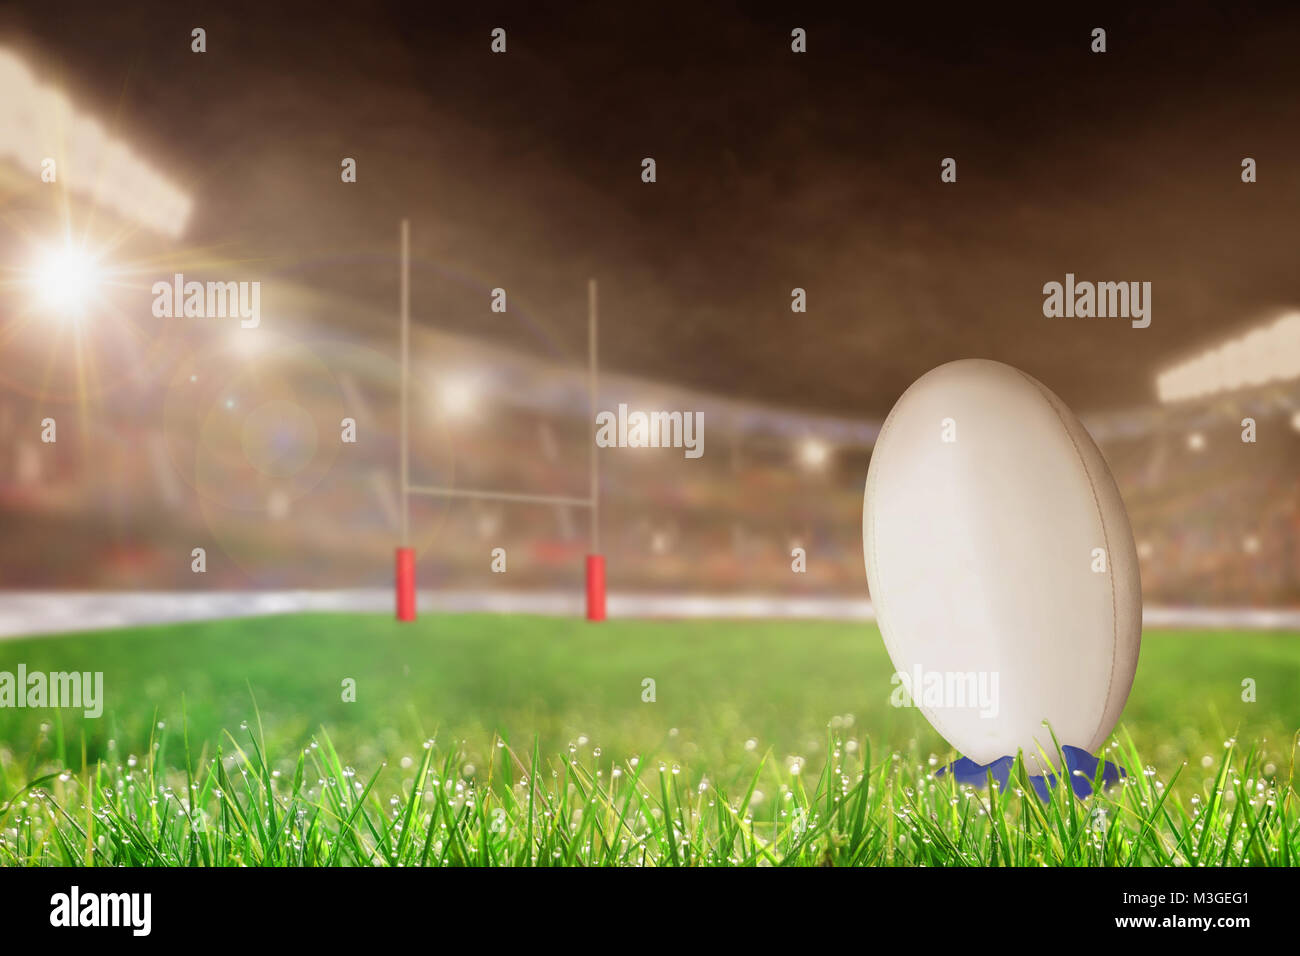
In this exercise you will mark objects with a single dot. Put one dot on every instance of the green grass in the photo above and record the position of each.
(480, 739)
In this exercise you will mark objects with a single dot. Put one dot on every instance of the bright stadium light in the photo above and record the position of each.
(1267, 354)
(65, 279)
(457, 396)
(813, 453)
(37, 122)
(1196, 441)
(1295, 421)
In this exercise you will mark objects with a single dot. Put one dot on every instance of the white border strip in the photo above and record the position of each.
(58, 612)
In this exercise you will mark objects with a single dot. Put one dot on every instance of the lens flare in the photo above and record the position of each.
(66, 280)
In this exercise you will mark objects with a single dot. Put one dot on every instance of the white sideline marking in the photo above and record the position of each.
(56, 612)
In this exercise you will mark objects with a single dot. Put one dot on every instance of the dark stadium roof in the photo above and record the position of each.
(775, 170)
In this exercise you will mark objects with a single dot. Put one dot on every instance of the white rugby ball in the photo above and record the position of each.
(998, 549)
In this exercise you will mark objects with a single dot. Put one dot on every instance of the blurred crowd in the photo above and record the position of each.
(261, 480)
(1217, 520)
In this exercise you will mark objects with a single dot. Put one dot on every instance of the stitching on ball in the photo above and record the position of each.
(1105, 536)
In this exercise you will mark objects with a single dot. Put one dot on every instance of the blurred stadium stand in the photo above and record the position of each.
(182, 434)
(143, 478)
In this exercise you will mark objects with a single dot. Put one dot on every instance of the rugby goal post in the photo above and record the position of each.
(405, 563)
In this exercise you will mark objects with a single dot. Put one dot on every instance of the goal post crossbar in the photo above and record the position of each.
(499, 496)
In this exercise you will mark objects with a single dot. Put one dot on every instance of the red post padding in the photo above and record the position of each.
(595, 587)
(405, 584)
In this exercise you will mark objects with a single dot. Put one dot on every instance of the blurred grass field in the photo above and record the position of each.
(761, 706)
(718, 685)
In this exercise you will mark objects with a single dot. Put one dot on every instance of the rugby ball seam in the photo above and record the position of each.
(1093, 742)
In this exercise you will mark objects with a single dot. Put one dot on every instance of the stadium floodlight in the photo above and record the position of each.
(38, 123)
(813, 453)
(65, 279)
(1264, 355)
(1196, 441)
(458, 395)
(1295, 421)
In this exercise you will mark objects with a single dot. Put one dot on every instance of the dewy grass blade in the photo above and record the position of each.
(234, 809)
